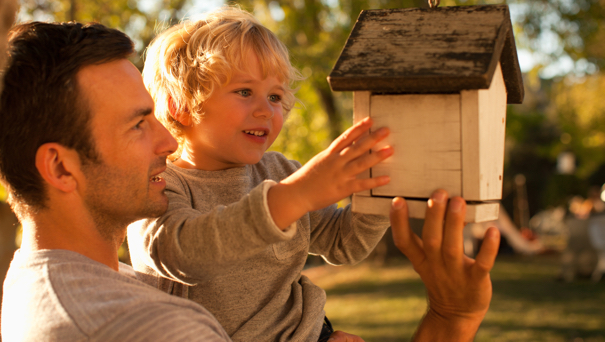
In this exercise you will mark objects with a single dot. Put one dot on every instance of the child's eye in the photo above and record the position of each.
(274, 98)
(244, 92)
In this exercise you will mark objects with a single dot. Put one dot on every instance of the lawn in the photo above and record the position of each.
(386, 303)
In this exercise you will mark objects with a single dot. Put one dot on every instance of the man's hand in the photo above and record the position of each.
(459, 288)
(339, 336)
(330, 176)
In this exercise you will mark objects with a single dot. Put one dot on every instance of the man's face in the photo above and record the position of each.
(123, 186)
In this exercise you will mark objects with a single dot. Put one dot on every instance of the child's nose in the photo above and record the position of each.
(263, 109)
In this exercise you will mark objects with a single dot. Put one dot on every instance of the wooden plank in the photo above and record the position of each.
(475, 212)
(425, 135)
(483, 117)
(402, 50)
(361, 110)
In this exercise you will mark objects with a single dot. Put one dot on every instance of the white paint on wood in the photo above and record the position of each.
(483, 127)
(425, 135)
(481, 212)
(361, 110)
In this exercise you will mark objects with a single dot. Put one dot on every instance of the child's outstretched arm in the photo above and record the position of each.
(330, 176)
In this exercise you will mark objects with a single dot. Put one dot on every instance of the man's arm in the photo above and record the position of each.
(459, 288)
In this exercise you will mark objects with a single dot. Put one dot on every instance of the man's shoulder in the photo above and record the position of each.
(63, 295)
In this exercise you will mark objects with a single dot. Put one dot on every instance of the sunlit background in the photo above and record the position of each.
(545, 288)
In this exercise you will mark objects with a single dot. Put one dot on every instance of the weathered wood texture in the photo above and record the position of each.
(361, 110)
(483, 117)
(416, 50)
(475, 212)
(425, 135)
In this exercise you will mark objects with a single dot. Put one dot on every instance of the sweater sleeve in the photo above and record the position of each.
(187, 245)
(344, 237)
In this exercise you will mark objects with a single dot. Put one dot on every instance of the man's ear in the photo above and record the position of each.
(183, 117)
(59, 166)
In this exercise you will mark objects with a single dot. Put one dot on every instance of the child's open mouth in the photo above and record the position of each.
(256, 133)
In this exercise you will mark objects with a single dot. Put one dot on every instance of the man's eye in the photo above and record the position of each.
(274, 98)
(244, 92)
(138, 125)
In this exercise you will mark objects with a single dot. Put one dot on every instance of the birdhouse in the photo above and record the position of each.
(440, 80)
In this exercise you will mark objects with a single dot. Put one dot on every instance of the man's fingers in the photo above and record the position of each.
(405, 239)
(351, 134)
(432, 231)
(453, 241)
(489, 249)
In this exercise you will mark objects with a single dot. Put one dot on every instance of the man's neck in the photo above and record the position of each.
(57, 229)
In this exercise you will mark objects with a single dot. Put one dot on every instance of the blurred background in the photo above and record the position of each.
(548, 280)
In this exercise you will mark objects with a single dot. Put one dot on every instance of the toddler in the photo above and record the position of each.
(241, 221)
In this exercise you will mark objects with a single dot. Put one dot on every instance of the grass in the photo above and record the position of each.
(386, 303)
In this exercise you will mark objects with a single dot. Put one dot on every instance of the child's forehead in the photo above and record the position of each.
(251, 63)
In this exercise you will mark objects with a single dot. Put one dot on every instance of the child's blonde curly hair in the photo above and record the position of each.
(186, 63)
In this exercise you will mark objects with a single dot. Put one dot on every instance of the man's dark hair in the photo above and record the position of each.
(41, 101)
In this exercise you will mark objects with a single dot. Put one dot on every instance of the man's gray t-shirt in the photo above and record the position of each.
(59, 295)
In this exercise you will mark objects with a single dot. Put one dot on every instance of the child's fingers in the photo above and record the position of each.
(358, 185)
(365, 143)
(351, 134)
(366, 161)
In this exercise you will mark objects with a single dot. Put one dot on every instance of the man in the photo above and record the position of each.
(80, 155)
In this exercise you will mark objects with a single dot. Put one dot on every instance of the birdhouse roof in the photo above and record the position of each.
(440, 50)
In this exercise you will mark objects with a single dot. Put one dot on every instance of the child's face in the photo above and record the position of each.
(240, 121)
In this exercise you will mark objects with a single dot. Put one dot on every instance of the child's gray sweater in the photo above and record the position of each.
(218, 246)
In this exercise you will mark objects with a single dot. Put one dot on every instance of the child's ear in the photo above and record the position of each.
(183, 117)
(58, 166)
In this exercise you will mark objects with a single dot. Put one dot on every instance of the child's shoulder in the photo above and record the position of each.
(276, 162)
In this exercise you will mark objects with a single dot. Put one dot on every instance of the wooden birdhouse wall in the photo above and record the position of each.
(449, 141)
(483, 128)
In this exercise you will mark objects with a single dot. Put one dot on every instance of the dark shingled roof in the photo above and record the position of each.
(439, 50)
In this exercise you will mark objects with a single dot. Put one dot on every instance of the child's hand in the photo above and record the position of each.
(330, 176)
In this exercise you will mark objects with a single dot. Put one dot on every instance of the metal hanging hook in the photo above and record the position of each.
(434, 3)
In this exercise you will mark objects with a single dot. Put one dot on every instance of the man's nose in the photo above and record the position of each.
(165, 143)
